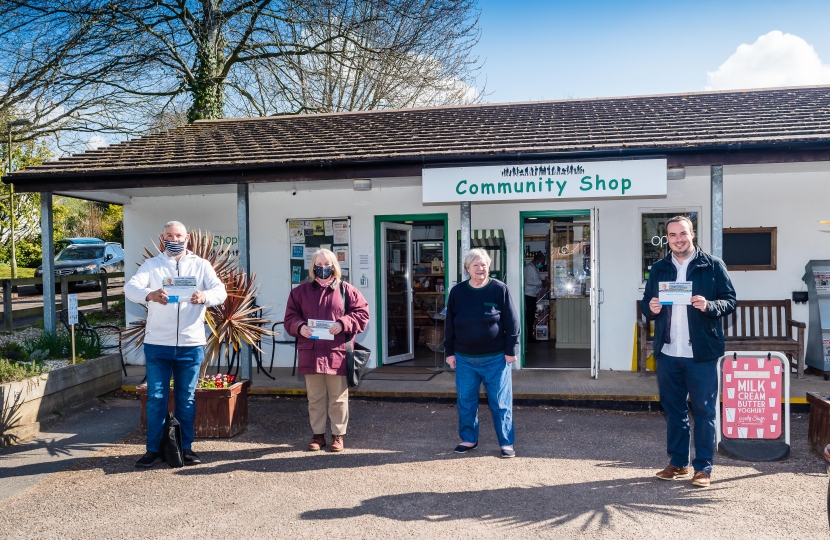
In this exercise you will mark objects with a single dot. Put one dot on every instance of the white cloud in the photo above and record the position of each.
(775, 59)
(95, 142)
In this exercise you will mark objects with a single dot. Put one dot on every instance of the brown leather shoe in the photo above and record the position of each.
(337, 443)
(673, 473)
(318, 442)
(701, 479)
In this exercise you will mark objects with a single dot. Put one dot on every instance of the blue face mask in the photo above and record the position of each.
(539, 265)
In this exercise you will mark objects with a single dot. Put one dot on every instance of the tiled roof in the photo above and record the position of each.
(662, 122)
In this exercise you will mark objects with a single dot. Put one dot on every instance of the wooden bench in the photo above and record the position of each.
(755, 325)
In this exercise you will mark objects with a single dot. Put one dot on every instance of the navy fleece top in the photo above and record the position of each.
(481, 322)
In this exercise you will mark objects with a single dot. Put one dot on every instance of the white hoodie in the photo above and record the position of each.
(181, 324)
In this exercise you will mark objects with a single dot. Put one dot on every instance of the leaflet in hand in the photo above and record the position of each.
(320, 329)
(179, 289)
(675, 293)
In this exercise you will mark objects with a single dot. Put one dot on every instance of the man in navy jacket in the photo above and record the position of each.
(688, 340)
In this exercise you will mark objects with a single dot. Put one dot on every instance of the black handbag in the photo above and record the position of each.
(356, 357)
(171, 442)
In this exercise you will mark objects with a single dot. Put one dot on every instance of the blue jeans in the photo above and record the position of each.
(184, 364)
(679, 378)
(494, 372)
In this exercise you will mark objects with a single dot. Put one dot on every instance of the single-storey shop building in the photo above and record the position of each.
(399, 194)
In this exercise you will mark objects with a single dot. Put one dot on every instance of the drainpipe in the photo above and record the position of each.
(717, 210)
(244, 242)
(466, 235)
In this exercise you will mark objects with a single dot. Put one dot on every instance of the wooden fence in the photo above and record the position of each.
(8, 284)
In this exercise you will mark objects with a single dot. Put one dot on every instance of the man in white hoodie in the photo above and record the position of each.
(174, 338)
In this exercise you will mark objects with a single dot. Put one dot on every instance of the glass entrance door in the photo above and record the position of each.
(396, 292)
(596, 293)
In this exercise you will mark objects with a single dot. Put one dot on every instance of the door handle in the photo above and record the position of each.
(601, 296)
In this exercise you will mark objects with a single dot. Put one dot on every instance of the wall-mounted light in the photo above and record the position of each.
(676, 173)
(363, 184)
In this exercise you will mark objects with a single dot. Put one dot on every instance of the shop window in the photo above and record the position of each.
(750, 248)
(654, 243)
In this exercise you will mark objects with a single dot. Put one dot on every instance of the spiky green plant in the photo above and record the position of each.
(231, 323)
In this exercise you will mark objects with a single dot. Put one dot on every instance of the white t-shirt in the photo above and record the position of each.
(533, 281)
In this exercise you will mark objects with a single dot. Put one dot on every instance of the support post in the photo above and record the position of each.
(48, 248)
(64, 293)
(244, 242)
(103, 277)
(8, 323)
(466, 235)
(717, 210)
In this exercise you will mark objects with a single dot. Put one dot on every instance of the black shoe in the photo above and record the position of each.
(508, 453)
(190, 458)
(461, 449)
(148, 460)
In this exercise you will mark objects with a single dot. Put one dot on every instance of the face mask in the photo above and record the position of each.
(323, 272)
(539, 266)
(174, 248)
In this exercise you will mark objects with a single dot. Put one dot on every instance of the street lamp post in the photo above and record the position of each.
(16, 123)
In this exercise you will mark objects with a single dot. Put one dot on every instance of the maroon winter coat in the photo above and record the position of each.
(311, 301)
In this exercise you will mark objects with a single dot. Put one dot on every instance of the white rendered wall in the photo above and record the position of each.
(793, 198)
(620, 235)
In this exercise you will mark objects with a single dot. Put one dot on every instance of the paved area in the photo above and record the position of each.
(534, 384)
(578, 474)
(80, 436)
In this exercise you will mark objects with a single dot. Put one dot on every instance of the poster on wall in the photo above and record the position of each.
(822, 282)
(342, 253)
(306, 236)
(341, 232)
(296, 234)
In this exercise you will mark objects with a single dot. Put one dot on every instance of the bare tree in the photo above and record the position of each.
(129, 66)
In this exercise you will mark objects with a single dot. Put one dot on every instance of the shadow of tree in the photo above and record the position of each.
(593, 504)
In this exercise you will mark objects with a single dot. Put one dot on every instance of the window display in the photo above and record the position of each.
(654, 242)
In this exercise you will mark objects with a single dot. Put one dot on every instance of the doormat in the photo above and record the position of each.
(387, 376)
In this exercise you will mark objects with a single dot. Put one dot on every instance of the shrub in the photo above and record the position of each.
(11, 371)
(59, 345)
(14, 352)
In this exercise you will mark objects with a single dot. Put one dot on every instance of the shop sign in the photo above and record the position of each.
(546, 181)
(751, 398)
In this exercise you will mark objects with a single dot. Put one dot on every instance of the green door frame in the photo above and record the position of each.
(402, 218)
(545, 214)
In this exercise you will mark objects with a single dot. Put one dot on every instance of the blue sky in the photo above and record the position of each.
(534, 50)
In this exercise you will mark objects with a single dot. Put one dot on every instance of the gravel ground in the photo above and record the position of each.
(578, 474)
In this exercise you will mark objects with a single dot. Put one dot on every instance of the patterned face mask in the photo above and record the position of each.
(323, 272)
(174, 248)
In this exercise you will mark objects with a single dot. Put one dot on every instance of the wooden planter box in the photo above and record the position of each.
(220, 412)
(29, 405)
(818, 432)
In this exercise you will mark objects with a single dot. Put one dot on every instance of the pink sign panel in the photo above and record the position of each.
(752, 393)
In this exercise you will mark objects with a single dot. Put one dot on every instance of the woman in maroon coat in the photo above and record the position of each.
(323, 361)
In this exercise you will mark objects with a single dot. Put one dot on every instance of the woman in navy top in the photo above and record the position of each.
(481, 339)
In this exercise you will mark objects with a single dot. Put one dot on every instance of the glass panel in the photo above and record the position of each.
(655, 245)
(398, 305)
(570, 259)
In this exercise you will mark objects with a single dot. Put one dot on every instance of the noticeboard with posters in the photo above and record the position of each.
(308, 235)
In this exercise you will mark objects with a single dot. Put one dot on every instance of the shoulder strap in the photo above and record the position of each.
(345, 299)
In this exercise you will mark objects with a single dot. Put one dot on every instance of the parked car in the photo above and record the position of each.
(63, 243)
(87, 258)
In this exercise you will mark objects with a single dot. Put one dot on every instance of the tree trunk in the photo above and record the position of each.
(207, 88)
